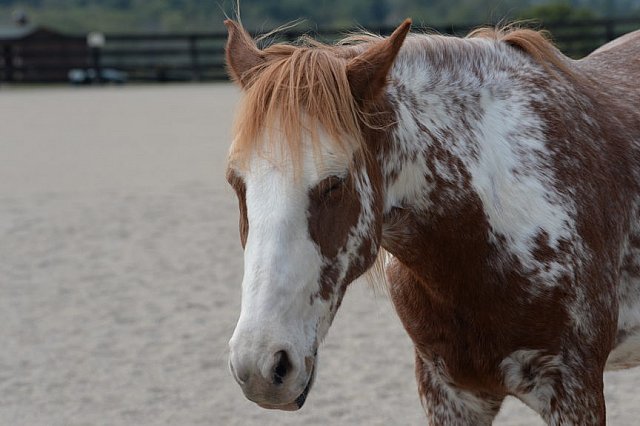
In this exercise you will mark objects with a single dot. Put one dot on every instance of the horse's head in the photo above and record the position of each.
(310, 195)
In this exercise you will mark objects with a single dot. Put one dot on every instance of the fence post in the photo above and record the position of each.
(97, 65)
(193, 53)
(610, 30)
(96, 42)
(7, 55)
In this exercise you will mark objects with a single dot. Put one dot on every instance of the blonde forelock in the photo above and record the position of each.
(295, 93)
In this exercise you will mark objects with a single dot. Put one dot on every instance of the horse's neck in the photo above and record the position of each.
(447, 109)
(454, 168)
(441, 107)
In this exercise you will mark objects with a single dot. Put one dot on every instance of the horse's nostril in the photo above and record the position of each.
(281, 368)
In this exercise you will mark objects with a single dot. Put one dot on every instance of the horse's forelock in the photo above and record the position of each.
(299, 90)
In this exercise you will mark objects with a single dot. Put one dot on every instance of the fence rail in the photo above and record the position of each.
(200, 56)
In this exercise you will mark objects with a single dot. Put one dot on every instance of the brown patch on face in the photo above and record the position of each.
(240, 188)
(334, 208)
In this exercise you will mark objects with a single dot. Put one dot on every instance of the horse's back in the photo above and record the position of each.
(623, 43)
(616, 66)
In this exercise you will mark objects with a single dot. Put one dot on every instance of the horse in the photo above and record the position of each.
(497, 180)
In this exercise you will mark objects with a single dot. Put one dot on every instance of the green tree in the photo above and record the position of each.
(557, 12)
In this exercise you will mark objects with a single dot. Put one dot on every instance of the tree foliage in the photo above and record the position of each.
(207, 15)
(558, 12)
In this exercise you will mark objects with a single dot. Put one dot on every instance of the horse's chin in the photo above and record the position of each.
(297, 403)
(292, 406)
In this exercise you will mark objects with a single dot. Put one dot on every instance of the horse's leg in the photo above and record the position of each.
(563, 392)
(446, 404)
(584, 406)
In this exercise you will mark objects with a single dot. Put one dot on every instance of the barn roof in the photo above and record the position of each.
(16, 32)
(12, 32)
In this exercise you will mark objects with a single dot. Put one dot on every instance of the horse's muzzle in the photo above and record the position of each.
(299, 401)
(276, 390)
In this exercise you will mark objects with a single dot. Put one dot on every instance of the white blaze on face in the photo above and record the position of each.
(282, 265)
(280, 309)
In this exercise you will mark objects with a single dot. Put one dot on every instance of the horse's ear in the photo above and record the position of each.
(241, 53)
(367, 72)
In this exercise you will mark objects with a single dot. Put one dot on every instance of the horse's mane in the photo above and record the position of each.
(302, 85)
(534, 43)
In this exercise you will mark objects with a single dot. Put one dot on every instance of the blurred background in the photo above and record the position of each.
(84, 41)
(196, 15)
(120, 260)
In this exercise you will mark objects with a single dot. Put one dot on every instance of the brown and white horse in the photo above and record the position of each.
(503, 179)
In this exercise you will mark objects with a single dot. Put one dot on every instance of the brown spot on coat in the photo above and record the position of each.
(333, 210)
(240, 188)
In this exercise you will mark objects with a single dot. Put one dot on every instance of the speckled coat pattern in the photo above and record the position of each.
(503, 182)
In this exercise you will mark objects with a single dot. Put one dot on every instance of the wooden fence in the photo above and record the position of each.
(200, 56)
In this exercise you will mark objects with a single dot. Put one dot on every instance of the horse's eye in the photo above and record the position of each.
(331, 184)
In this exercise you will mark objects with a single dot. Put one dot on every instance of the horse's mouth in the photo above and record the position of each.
(300, 400)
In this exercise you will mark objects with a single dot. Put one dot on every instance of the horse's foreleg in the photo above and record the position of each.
(584, 408)
(563, 392)
(445, 404)
(574, 402)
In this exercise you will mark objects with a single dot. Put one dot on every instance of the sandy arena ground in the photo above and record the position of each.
(120, 271)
